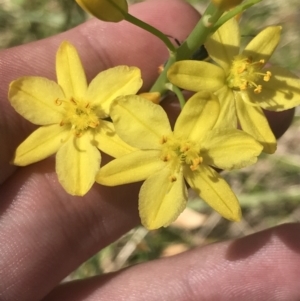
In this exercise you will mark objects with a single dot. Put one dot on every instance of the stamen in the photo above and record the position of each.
(166, 158)
(267, 76)
(93, 124)
(173, 178)
(163, 140)
(177, 153)
(58, 101)
(72, 100)
(196, 162)
(258, 89)
(78, 134)
(184, 148)
(245, 73)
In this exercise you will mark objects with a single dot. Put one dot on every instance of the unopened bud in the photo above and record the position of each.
(152, 96)
(105, 10)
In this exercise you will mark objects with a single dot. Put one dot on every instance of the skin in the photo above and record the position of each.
(45, 233)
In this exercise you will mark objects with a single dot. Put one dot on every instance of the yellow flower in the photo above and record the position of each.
(72, 115)
(166, 159)
(242, 81)
(105, 10)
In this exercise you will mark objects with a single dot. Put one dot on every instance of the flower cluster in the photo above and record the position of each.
(78, 120)
(166, 158)
(242, 81)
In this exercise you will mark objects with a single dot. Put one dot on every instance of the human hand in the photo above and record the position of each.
(46, 233)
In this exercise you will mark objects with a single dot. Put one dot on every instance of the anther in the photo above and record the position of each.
(196, 162)
(78, 134)
(258, 89)
(165, 158)
(184, 148)
(72, 100)
(163, 140)
(267, 76)
(93, 124)
(173, 178)
(58, 102)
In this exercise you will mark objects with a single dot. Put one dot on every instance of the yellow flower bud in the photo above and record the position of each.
(226, 4)
(152, 96)
(105, 10)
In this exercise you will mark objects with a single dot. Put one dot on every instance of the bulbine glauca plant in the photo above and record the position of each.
(221, 127)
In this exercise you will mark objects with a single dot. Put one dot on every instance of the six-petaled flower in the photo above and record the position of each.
(73, 117)
(167, 158)
(242, 81)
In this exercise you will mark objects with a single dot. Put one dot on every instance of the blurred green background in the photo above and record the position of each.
(269, 192)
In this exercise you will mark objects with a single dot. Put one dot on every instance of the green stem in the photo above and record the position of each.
(135, 21)
(234, 12)
(178, 93)
(200, 33)
(160, 83)
(196, 38)
(152, 30)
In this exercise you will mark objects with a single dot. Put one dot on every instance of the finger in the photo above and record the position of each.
(45, 233)
(263, 266)
(100, 46)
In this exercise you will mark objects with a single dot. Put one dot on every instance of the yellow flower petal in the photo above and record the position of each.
(70, 73)
(264, 44)
(134, 167)
(227, 117)
(77, 163)
(162, 200)
(41, 144)
(139, 122)
(280, 93)
(224, 44)
(229, 149)
(254, 122)
(196, 76)
(34, 99)
(105, 10)
(111, 83)
(214, 190)
(198, 116)
(109, 142)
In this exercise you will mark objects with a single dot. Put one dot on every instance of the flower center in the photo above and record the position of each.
(79, 114)
(180, 152)
(244, 74)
